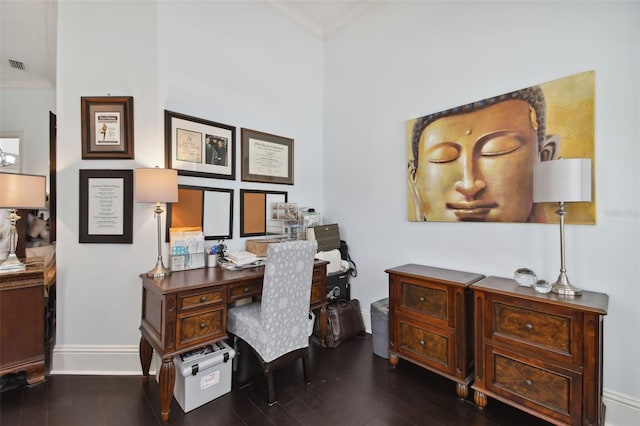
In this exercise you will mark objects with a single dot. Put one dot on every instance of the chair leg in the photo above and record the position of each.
(305, 369)
(270, 389)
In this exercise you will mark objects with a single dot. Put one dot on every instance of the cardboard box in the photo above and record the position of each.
(259, 247)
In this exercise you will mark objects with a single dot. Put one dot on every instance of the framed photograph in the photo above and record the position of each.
(107, 127)
(199, 147)
(106, 206)
(256, 217)
(208, 208)
(266, 158)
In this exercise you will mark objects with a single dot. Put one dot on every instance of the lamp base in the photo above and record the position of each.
(563, 286)
(159, 271)
(12, 264)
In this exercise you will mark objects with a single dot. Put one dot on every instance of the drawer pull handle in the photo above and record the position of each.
(422, 298)
(528, 382)
(202, 325)
(246, 289)
(422, 342)
(203, 299)
(529, 327)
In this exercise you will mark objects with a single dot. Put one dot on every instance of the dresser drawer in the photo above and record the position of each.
(200, 299)
(540, 327)
(426, 345)
(425, 301)
(201, 326)
(535, 384)
(246, 289)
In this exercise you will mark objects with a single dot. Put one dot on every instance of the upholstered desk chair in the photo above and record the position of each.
(276, 328)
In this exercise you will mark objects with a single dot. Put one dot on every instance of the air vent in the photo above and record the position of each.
(17, 65)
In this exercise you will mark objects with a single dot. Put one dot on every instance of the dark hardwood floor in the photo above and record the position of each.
(350, 386)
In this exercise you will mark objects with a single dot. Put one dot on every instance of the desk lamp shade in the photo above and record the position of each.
(19, 191)
(156, 185)
(562, 181)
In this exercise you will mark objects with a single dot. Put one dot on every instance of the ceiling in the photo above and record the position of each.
(28, 33)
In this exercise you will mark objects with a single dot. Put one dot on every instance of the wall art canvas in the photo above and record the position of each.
(475, 162)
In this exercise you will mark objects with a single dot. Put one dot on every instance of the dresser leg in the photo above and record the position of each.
(480, 399)
(167, 381)
(462, 390)
(393, 360)
(146, 352)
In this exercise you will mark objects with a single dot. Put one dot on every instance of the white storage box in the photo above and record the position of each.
(203, 375)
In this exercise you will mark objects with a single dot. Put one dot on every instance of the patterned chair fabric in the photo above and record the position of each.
(279, 323)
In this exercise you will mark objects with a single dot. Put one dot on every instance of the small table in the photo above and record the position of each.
(188, 309)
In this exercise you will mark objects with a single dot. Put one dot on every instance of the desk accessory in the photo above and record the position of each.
(562, 181)
(19, 191)
(156, 185)
(525, 277)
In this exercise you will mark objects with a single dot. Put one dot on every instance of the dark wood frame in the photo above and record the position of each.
(127, 214)
(249, 210)
(203, 214)
(247, 176)
(201, 169)
(89, 107)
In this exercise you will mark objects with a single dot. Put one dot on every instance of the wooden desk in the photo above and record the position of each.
(188, 310)
(22, 322)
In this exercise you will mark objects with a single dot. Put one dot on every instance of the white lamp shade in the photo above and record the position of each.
(19, 191)
(566, 180)
(156, 185)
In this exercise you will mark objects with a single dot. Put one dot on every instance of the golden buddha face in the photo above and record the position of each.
(478, 166)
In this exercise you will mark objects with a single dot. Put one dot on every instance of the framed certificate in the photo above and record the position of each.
(107, 127)
(199, 147)
(266, 158)
(106, 206)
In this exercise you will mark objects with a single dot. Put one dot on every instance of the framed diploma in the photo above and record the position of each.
(210, 209)
(107, 127)
(199, 147)
(106, 206)
(266, 158)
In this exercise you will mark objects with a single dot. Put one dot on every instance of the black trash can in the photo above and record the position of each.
(380, 327)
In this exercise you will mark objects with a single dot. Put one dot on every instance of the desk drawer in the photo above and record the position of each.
(247, 289)
(425, 299)
(200, 299)
(201, 326)
(318, 292)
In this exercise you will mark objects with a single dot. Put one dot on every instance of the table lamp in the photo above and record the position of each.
(156, 185)
(19, 191)
(562, 181)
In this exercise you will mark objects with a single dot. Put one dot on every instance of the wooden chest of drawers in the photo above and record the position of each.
(430, 321)
(541, 353)
(22, 336)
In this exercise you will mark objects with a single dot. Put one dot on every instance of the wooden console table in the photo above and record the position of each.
(22, 309)
(188, 310)
(541, 353)
(431, 321)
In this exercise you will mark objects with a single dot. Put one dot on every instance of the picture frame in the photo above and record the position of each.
(106, 206)
(208, 208)
(267, 158)
(198, 147)
(107, 127)
(256, 214)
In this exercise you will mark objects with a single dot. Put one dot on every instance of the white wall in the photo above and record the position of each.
(25, 110)
(238, 63)
(407, 59)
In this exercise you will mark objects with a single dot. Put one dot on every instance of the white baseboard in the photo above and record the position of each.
(621, 410)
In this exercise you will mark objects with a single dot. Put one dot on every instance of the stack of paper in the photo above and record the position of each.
(242, 257)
